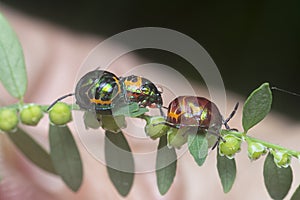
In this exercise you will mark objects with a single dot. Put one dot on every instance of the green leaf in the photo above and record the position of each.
(112, 123)
(277, 180)
(65, 156)
(119, 162)
(32, 150)
(129, 110)
(90, 120)
(257, 106)
(166, 162)
(12, 66)
(227, 171)
(198, 147)
(125, 109)
(296, 195)
(139, 112)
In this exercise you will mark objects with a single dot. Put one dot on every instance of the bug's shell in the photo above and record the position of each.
(142, 91)
(194, 111)
(96, 90)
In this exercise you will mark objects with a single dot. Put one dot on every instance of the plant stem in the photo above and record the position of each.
(275, 146)
(44, 107)
(269, 145)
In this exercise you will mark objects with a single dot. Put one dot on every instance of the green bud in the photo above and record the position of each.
(60, 114)
(155, 127)
(255, 150)
(31, 114)
(8, 119)
(177, 137)
(230, 147)
(281, 158)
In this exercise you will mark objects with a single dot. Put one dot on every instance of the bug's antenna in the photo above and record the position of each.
(165, 107)
(59, 99)
(230, 116)
(285, 91)
(217, 142)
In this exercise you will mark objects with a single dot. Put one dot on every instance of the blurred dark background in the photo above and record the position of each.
(250, 41)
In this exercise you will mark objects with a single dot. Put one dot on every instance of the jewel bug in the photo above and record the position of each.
(96, 91)
(142, 91)
(193, 111)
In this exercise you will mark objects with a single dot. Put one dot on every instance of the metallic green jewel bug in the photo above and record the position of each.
(96, 91)
(142, 91)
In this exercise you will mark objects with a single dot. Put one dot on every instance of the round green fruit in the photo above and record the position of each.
(8, 119)
(281, 158)
(231, 146)
(60, 114)
(255, 150)
(31, 114)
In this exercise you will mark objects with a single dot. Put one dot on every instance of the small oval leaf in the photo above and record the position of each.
(198, 147)
(227, 171)
(277, 180)
(90, 120)
(112, 123)
(257, 106)
(32, 150)
(65, 156)
(119, 161)
(296, 195)
(129, 110)
(12, 66)
(166, 162)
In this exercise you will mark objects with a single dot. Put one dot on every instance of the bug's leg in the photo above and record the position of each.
(203, 129)
(215, 145)
(216, 133)
(165, 107)
(59, 99)
(225, 122)
(161, 112)
(166, 123)
(218, 142)
(212, 130)
(226, 125)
